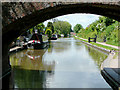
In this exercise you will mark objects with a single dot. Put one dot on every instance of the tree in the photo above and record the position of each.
(40, 27)
(77, 28)
(57, 27)
(105, 28)
(50, 26)
(62, 27)
(49, 33)
(108, 21)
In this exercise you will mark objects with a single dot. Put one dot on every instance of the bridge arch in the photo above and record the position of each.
(17, 24)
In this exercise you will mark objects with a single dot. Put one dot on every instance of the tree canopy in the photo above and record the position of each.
(105, 28)
(50, 26)
(48, 32)
(62, 27)
(77, 28)
(40, 28)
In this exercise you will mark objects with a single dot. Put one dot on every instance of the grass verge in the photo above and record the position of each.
(99, 45)
(115, 44)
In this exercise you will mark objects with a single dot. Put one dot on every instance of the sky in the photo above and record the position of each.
(73, 19)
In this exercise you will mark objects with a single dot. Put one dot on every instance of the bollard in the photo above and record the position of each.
(95, 40)
(89, 39)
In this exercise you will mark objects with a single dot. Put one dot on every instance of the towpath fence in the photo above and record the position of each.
(93, 40)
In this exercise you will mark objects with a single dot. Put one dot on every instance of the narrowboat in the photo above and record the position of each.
(54, 37)
(37, 41)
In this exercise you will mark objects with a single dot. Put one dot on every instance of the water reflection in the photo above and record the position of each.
(61, 47)
(97, 55)
(67, 63)
(32, 60)
(78, 45)
(30, 69)
(31, 78)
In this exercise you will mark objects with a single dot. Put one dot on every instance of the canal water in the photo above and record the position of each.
(67, 63)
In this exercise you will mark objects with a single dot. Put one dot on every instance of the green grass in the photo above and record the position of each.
(103, 46)
(112, 43)
(99, 45)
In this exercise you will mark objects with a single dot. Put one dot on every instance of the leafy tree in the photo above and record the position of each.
(66, 28)
(62, 27)
(77, 28)
(109, 29)
(105, 28)
(108, 21)
(57, 27)
(49, 33)
(31, 30)
(50, 26)
(40, 27)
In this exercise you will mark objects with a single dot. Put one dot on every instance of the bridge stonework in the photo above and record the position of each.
(12, 11)
(18, 17)
(16, 10)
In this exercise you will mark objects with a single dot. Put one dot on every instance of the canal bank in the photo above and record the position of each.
(16, 49)
(19, 48)
(110, 68)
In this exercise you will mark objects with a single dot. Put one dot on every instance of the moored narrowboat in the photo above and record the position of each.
(37, 41)
(54, 37)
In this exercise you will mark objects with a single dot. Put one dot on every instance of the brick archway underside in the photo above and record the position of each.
(17, 27)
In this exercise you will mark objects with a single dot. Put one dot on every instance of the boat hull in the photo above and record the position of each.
(38, 46)
(53, 38)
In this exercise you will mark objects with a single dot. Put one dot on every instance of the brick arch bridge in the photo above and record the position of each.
(18, 17)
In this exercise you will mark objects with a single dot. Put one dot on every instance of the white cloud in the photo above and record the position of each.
(73, 19)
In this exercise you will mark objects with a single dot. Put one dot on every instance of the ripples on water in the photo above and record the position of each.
(67, 63)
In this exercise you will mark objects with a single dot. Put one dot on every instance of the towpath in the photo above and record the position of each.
(102, 43)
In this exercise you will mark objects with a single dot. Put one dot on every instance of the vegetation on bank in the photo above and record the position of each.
(105, 29)
(40, 28)
(57, 27)
(62, 27)
(77, 27)
(99, 45)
